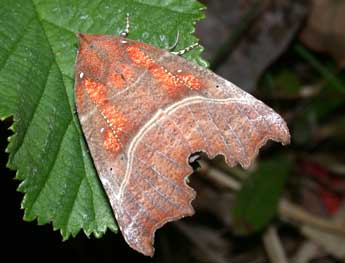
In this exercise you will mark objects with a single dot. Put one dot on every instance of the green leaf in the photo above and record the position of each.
(257, 201)
(38, 48)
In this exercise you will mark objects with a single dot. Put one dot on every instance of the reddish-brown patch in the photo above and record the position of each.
(190, 80)
(111, 142)
(96, 91)
(116, 80)
(139, 57)
(167, 80)
(116, 121)
(127, 72)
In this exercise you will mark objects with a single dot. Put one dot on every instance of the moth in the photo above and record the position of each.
(143, 111)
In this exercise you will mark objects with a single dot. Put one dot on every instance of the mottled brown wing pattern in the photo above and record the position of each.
(143, 112)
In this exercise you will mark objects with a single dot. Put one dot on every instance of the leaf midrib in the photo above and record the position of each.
(67, 126)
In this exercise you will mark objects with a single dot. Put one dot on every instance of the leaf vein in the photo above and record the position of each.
(50, 169)
(15, 45)
(38, 101)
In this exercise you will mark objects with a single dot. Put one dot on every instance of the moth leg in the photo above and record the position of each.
(125, 32)
(186, 49)
(176, 41)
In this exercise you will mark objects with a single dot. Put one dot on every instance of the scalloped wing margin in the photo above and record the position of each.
(154, 189)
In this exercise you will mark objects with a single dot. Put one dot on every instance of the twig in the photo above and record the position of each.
(273, 246)
(287, 211)
(219, 177)
(307, 251)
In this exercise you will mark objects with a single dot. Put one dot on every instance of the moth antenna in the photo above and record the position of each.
(125, 32)
(186, 49)
(176, 41)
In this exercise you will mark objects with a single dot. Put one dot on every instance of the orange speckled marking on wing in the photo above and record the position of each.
(111, 142)
(96, 91)
(190, 80)
(118, 123)
(170, 82)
